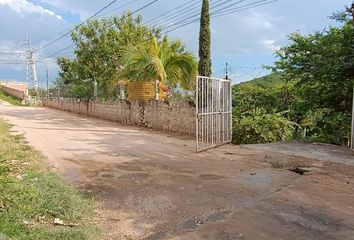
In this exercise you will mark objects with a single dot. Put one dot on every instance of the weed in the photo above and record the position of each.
(278, 164)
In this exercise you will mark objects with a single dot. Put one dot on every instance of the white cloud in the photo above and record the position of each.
(245, 33)
(9, 46)
(83, 8)
(259, 20)
(269, 44)
(23, 6)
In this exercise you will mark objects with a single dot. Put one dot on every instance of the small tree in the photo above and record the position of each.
(163, 61)
(205, 41)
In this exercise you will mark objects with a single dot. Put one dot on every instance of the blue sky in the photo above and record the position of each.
(246, 39)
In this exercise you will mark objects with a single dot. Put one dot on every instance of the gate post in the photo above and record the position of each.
(197, 113)
(352, 130)
(155, 118)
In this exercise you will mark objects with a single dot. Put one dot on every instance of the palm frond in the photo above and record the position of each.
(163, 61)
(182, 70)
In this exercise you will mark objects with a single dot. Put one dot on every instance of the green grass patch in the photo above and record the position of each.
(10, 99)
(32, 196)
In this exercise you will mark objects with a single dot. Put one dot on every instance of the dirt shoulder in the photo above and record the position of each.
(154, 186)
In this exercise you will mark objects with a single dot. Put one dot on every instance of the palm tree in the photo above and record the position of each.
(163, 61)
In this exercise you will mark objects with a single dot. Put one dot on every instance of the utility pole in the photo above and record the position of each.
(46, 77)
(351, 12)
(31, 74)
(352, 140)
(227, 71)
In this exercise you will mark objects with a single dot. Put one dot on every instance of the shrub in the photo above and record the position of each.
(258, 126)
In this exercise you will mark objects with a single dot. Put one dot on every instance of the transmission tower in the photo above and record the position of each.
(31, 73)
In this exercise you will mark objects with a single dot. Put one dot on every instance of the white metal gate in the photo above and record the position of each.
(213, 112)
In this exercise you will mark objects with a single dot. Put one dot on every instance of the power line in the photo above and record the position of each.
(67, 33)
(137, 10)
(54, 54)
(255, 4)
(222, 11)
(179, 7)
(191, 12)
(72, 45)
(214, 15)
(172, 12)
(187, 7)
(120, 7)
(67, 53)
(196, 14)
(56, 34)
(117, 8)
(12, 53)
(243, 67)
(232, 5)
(12, 63)
(182, 23)
(72, 28)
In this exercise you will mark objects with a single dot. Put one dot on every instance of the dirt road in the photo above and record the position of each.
(154, 186)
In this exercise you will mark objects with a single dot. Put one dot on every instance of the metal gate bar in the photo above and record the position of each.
(213, 112)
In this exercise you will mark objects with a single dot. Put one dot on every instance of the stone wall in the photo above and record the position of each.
(18, 90)
(178, 117)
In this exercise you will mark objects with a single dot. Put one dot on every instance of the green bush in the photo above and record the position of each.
(258, 126)
(325, 125)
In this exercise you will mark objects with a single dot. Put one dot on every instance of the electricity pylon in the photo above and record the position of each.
(31, 73)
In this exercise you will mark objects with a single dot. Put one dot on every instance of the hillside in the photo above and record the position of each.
(264, 81)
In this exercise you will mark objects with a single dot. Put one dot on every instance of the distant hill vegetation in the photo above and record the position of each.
(264, 81)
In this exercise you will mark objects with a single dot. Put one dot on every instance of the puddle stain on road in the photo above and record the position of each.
(149, 190)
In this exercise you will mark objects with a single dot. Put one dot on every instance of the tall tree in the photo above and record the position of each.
(205, 41)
